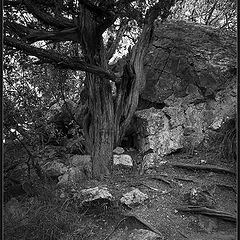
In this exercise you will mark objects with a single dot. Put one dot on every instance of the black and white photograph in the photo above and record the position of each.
(119, 120)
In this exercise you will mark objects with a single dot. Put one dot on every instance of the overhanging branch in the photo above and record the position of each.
(56, 36)
(32, 35)
(59, 59)
(56, 21)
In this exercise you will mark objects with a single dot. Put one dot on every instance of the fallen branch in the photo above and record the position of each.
(152, 188)
(184, 179)
(110, 234)
(226, 186)
(139, 219)
(203, 167)
(208, 211)
(162, 180)
(144, 222)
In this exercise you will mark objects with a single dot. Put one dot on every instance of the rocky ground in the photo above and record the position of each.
(168, 190)
(173, 194)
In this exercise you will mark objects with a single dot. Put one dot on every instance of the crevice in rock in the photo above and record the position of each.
(129, 141)
(146, 104)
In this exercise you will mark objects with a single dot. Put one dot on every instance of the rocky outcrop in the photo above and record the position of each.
(191, 71)
(185, 55)
(155, 132)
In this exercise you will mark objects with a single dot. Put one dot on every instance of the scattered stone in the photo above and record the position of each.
(143, 234)
(79, 169)
(91, 194)
(118, 150)
(54, 168)
(123, 159)
(134, 197)
(80, 160)
(74, 175)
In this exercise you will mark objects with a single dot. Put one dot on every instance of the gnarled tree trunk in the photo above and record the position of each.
(107, 119)
(99, 128)
(98, 125)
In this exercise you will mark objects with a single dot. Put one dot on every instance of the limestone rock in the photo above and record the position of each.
(134, 197)
(156, 132)
(74, 175)
(91, 194)
(184, 54)
(192, 70)
(122, 159)
(79, 169)
(80, 160)
(118, 150)
(54, 168)
(150, 160)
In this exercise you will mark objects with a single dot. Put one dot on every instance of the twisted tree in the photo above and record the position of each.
(28, 23)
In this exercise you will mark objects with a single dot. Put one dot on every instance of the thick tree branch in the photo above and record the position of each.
(17, 3)
(131, 13)
(161, 8)
(60, 60)
(56, 36)
(32, 35)
(93, 8)
(135, 73)
(12, 3)
(18, 29)
(58, 22)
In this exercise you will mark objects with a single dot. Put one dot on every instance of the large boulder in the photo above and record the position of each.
(184, 54)
(191, 70)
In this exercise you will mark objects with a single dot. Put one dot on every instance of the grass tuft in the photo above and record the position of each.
(35, 219)
(226, 139)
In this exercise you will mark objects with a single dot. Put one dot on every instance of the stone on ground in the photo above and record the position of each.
(134, 197)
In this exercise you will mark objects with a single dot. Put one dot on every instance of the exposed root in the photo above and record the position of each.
(210, 212)
(208, 167)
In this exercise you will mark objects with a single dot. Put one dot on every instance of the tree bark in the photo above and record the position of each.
(98, 124)
(99, 128)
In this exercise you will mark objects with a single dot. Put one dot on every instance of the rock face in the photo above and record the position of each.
(155, 132)
(191, 71)
(184, 54)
